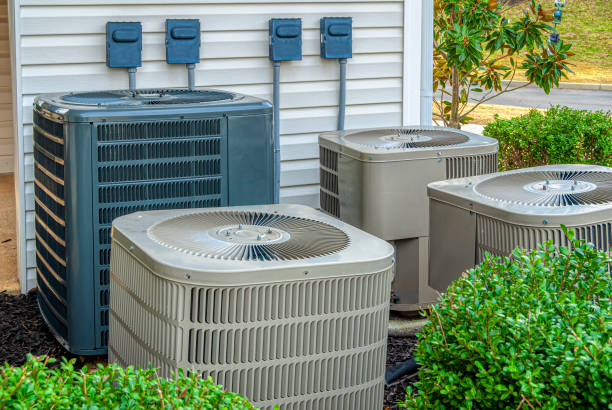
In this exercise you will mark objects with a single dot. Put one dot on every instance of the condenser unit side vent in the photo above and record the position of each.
(158, 164)
(467, 166)
(500, 238)
(50, 221)
(147, 130)
(330, 194)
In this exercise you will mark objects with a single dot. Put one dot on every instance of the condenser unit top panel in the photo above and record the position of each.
(125, 104)
(546, 195)
(246, 245)
(406, 143)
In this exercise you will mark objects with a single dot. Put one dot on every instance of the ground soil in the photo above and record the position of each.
(23, 331)
(8, 238)
(399, 349)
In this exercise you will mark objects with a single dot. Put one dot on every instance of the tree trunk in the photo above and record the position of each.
(454, 112)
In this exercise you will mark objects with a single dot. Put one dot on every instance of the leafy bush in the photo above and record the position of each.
(34, 385)
(531, 331)
(560, 135)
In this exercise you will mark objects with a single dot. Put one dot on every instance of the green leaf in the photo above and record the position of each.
(525, 327)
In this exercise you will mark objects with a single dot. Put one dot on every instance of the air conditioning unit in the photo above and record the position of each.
(100, 155)
(376, 179)
(500, 212)
(280, 303)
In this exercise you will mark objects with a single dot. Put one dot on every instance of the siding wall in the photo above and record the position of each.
(6, 123)
(60, 46)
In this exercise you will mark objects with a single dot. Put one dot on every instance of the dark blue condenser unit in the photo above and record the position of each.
(100, 155)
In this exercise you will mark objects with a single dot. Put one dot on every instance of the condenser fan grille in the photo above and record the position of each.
(250, 236)
(550, 188)
(405, 138)
(147, 96)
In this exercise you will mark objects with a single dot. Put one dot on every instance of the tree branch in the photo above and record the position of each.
(437, 48)
(500, 93)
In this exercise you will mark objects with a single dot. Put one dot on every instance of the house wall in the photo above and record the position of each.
(6, 123)
(59, 45)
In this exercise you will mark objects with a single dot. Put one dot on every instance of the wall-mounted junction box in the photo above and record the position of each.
(336, 37)
(285, 39)
(183, 41)
(123, 44)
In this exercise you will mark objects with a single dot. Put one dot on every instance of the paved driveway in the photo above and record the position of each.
(537, 98)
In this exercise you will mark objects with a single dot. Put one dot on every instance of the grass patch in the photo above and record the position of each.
(587, 26)
(485, 113)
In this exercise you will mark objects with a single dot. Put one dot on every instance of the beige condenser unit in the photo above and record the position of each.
(500, 212)
(376, 179)
(280, 303)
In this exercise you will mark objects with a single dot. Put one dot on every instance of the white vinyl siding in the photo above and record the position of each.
(62, 48)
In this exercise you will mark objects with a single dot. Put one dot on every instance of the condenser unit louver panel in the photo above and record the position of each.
(461, 167)
(151, 149)
(500, 212)
(376, 179)
(330, 200)
(280, 303)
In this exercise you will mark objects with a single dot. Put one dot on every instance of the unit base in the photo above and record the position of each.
(410, 289)
(64, 343)
(412, 309)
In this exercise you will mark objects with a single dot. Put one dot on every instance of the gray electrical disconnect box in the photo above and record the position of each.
(182, 41)
(123, 44)
(285, 39)
(336, 37)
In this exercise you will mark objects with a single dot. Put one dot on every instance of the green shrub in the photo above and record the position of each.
(560, 135)
(35, 386)
(531, 331)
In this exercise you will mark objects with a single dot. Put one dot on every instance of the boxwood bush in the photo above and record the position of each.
(530, 331)
(559, 135)
(34, 385)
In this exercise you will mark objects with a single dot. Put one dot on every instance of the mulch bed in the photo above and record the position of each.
(399, 349)
(23, 331)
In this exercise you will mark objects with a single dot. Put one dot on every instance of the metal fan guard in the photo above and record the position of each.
(248, 236)
(406, 138)
(549, 188)
(147, 97)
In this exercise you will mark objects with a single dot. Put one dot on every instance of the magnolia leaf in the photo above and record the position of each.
(549, 11)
